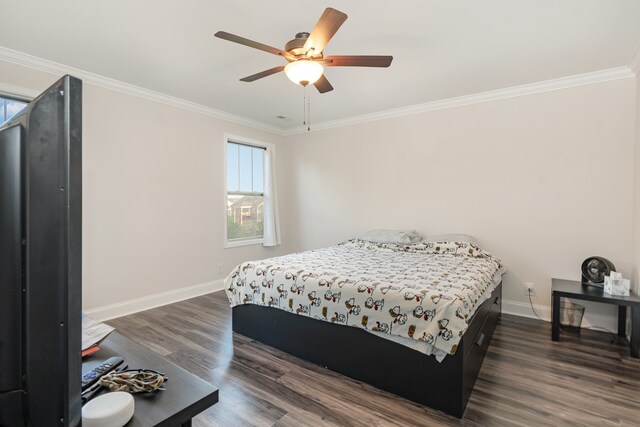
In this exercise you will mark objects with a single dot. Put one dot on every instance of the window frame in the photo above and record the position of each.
(228, 138)
(12, 93)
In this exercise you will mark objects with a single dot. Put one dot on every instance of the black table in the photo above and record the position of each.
(576, 290)
(184, 397)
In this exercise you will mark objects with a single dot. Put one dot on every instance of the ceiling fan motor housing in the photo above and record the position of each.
(296, 46)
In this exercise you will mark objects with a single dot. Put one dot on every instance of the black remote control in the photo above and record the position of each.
(105, 367)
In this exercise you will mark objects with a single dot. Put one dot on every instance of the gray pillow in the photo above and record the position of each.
(391, 236)
(452, 237)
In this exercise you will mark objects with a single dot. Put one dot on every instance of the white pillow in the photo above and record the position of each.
(451, 238)
(391, 236)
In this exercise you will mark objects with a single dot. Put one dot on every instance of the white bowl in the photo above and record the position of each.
(113, 409)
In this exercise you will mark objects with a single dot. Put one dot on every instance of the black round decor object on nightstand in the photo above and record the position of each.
(594, 269)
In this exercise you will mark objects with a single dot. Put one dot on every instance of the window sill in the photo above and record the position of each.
(238, 243)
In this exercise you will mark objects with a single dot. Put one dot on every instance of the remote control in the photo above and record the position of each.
(105, 367)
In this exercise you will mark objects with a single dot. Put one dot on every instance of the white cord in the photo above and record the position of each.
(533, 309)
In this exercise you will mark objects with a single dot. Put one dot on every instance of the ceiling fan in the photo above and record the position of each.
(305, 53)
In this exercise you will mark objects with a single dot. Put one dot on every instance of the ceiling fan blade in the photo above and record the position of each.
(358, 61)
(262, 74)
(323, 85)
(256, 45)
(326, 27)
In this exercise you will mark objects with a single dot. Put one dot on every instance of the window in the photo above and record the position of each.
(9, 108)
(245, 193)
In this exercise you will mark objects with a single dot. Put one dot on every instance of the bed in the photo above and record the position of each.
(413, 319)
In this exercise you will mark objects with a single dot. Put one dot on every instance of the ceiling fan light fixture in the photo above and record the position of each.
(304, 71)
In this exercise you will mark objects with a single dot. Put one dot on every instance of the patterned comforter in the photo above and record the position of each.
(425, 291)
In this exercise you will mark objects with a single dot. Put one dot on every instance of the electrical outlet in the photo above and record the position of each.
(220, 268)
(528, 288)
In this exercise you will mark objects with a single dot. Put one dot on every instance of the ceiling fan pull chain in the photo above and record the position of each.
(304, 106)
(309, 113)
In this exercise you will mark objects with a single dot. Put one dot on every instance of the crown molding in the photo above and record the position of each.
(17, 92)
(635, 63)
(494, 95)
(20, 58)
(40, 64)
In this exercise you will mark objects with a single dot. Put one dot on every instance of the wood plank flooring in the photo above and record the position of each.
(526, 379)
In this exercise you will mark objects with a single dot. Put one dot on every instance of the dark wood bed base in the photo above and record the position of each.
(387, 365)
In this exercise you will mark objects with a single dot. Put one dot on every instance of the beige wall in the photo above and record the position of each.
(543, 181)
(636, 234)
(152, 194)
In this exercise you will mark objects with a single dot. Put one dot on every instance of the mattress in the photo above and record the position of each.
(421, 295)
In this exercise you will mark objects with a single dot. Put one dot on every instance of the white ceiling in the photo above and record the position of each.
(441, 48)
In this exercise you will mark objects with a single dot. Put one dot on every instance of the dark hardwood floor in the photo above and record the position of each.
(526, 379)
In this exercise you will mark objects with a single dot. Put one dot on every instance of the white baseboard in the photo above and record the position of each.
(590, 320)
(131, 306)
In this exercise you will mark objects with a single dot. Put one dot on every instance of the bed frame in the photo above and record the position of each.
(384, 364)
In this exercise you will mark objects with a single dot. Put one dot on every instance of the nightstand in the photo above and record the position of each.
(576, 290)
